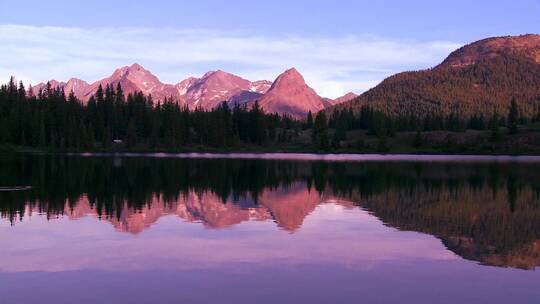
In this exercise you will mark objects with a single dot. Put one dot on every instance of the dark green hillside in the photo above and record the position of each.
(478, 79)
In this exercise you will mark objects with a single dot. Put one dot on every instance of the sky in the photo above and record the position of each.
(339, 46)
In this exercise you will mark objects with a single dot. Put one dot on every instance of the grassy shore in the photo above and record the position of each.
(525, 142)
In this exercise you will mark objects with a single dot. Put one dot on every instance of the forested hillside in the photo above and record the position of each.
(479, 79)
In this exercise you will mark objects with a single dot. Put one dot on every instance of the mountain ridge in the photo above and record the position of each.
(206, 92)
(289, 94)
(528, 45)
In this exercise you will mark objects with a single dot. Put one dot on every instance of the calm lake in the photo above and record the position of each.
(269, 229)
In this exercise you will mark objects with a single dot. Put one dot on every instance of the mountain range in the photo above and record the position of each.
(478, 79)
(288, 94)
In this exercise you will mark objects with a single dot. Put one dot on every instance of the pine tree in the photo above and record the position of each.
(131, 134)
(418, 139)
(319, 135)
(107, 141)
(382, 145)
(537, 118)
(99, 94)
(513, 117)
(309, 121)
(495, 135)
(42, 133)
(257, 124)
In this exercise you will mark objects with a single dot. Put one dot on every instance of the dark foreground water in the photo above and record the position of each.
(209, 230)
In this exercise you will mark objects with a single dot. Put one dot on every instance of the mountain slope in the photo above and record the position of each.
(214, 88)
(77, 86)
(525, 45)
(479, 78)
(347, 97)
(290, 94)
(206, 92)
(134, 79)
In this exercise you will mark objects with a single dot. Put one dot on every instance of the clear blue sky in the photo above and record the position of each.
(422, 19)
(419, 22)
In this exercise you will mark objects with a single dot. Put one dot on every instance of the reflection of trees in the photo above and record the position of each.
(496, 227)
(109, 187)
(485, 212)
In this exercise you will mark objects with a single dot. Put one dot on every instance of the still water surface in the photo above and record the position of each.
(162, 229)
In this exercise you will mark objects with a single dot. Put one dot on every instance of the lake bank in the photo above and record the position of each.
(327, 157)
(470, 142)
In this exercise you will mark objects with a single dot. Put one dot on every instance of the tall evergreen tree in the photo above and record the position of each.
(495, 135)
(131, 136)
(513, 117)
(319, 135)
(309, 120)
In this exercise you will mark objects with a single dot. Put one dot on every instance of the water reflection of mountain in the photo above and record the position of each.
(288, 208)
(484, 212)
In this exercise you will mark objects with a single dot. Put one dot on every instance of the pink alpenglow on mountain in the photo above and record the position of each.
(43, 86)
(291, 95)
(260, 86)
(344, 98)
(183, 86)
(524, 45)
(214, 88)
(134, 79)
(77, 86)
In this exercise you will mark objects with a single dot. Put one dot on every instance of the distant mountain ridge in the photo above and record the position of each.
(525, 45)
(289, 94)
(478, 79)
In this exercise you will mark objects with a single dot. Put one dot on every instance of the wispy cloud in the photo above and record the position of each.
(331, 65)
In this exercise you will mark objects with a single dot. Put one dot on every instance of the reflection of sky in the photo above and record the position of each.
(331, 235)
(338, 255)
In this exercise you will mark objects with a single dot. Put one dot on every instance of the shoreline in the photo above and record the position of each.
(292, 153)
(305, 156)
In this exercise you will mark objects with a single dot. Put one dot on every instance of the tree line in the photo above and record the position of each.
(383, 125)
(110, 118)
